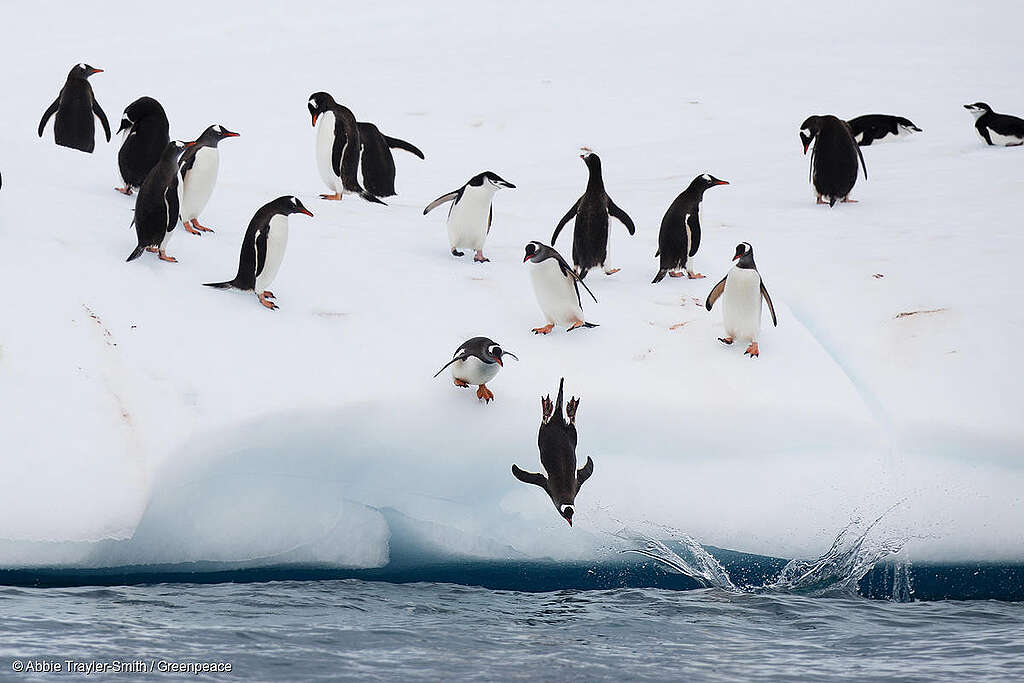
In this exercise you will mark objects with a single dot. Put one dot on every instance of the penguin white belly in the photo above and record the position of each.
(324, 148)
(199, 182)
(467, 222)
(555, 293)
(474, 371)
(1003, 140)
(277, 240)
(741, 304)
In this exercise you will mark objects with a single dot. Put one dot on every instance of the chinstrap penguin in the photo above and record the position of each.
(376, 162)
(198, 170)
(337, 147)
(878, 127)
(1000, 130)
(557, 288)
(679, 237)
(471, 213)
(75, 106)
(833, 169)
(742, 290)
(146, 134)
(477, 361)
(156, 206)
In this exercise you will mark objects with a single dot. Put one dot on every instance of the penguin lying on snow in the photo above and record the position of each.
(156, 206)
(834, 159)
(679, 237)
(742, 290)
(477, 361)
(871, 127)
(74, 108)
(557, 443)
(995, 129)
(337, 147)
(263, 249)
(145, 129)
(471, 213)
(198, 169)
(557, 288)
(377, 162)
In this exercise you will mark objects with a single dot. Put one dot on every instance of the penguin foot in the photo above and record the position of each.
(267, 294)
(456, 252)
(267, 302)
(484, 394)
(575, 326)
(751, 350)
(820, 200)
(480, 258)
(847, 200)
(200, 228)
(126, 190)
(696, 276)
(152, 250)
(675, 274)
(165, 257)
(544, 330)
(725, 340)
(189, 229)
(460, 382)
(612, 271)
(334, 197)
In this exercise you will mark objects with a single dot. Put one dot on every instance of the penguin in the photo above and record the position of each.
(376, 162)
(834, 159)
(156, 206)
(198, 170)
(1000, 130)
(471, 213)
(146, 135)
(743, 290)
(263, 249)
(871, 127)
(557, 288)
(337, 147)
(74, 108)
(590, 236)
(556, 441)
(477, 361)
(679, 237)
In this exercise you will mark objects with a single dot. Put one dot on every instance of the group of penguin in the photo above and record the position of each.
(175, 180)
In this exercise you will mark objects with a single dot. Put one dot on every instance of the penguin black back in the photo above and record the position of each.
(679, 237)
(75, 106)
(870, 127)
(147, 137)
(156, 207)
(834, 160)
(346, 147)
(378, 164)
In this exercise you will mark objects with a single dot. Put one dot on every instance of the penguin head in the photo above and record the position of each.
(978, 109)
(83, 70)
(533, 251)
(288, 205)
(214, 134)
(138, 110)
(174, 148)
(566, 512)
(590, 158)
(494, 353)
(809, 131)
(319, 102)
(706, 180)
(490, 180)
(744, 255)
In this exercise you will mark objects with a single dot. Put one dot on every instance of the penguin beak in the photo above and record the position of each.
(736, 257)
(726, 182)
(229, 134)
(505, 183)
(806, 145)
(527, 257)
(497, 359)
(96, 71)
(306, 211)
(189, 144)
(315, 117)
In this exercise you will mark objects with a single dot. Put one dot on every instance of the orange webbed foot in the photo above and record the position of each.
(336, 197)
(725, 340)
(696, 276)
(126, 190)
(544, 330)
(484, 394)
(675, 274)
(267, 302)
(165, 257)
(460, 382)
(200, 228)
(152, 250)
(189, 229)
(752, 350)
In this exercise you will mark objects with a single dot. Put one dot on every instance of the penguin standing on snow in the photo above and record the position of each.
(556, 441)
(471, 213)
(742, 290)
(156, 206)
(834, 159)
(871, 127)
(557, 288)
(1001, 130)
(263, 249)
(679, 237)
(74, 108)
(477, 361)
(337, 147)
(376, 162)
(146, 134)
(590, 235)
(198, 169)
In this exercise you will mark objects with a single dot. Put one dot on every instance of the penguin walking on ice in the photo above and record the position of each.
(471, 213)
(74, 107)
(198, 170)
(590, 234)
(376, 161)
(146, 134)
(834, 158)
(679, 237)
(742, 289)
(1000, 130)
(556, 441)
(156, 206)
(557, 288)
(263, 249)
(337, 147)
(477, 361)
(877, 127)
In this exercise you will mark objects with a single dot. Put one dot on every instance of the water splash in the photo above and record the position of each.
(691, 558)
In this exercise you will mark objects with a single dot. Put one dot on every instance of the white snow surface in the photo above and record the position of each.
(130, 392)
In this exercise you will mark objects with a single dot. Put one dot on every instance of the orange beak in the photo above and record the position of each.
(305, 211)
(315, 117)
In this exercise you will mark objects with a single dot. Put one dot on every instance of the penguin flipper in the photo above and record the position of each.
(98, 110)
(439, 201)
(565, 219)
(715, 293)
(621, 215)
(461, 356)
(530, 477)
(50, 111)
(863, 166)
(583, 473)
(395, 143)
(771, 307)
(693, 221)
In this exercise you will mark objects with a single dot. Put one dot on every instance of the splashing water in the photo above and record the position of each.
(692, 559)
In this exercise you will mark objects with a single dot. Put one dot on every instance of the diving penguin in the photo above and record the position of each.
(337, 147)
(679, 237)
(742, 290)
(156, 206)
(834, 159)
(74, 108)
(477, 361)
(871, 127)
(146, 135)
(471, 213)
(376, 161)
(198, 169)
(557, 288)
(1001, 130)
(556, 441)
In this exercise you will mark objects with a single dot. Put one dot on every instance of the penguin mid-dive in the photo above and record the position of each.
(557, 443)
(477, 361)
(471, 213)
(679, 237)
(263, 249)
(337, 147)
(74, 108)
(156, 206)
(146, 135)
(834, 158)
(742, 290)
(590, 234)
(1001, 130)
(376, 162)
(877, 127)
(198, 170)
(557, 288)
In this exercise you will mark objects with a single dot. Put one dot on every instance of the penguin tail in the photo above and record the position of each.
(220, 285)
(831, 202)
(659, 277)
(370, 198)
(136, 254)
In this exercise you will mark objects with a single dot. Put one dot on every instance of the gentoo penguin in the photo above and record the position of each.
(679, 237)
(75, 106)
(156, 206)
(557, 288)
(477, 361)
(590, 236)
(263, 249)
(198, 170)
(1001, 130)
(376, 162)
(834, 159)
(871, 127)
(337, 147)
(471, 213)
(557, 443)
(145, 129)
(743, 291)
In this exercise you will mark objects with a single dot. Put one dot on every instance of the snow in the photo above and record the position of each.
(132, 394)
